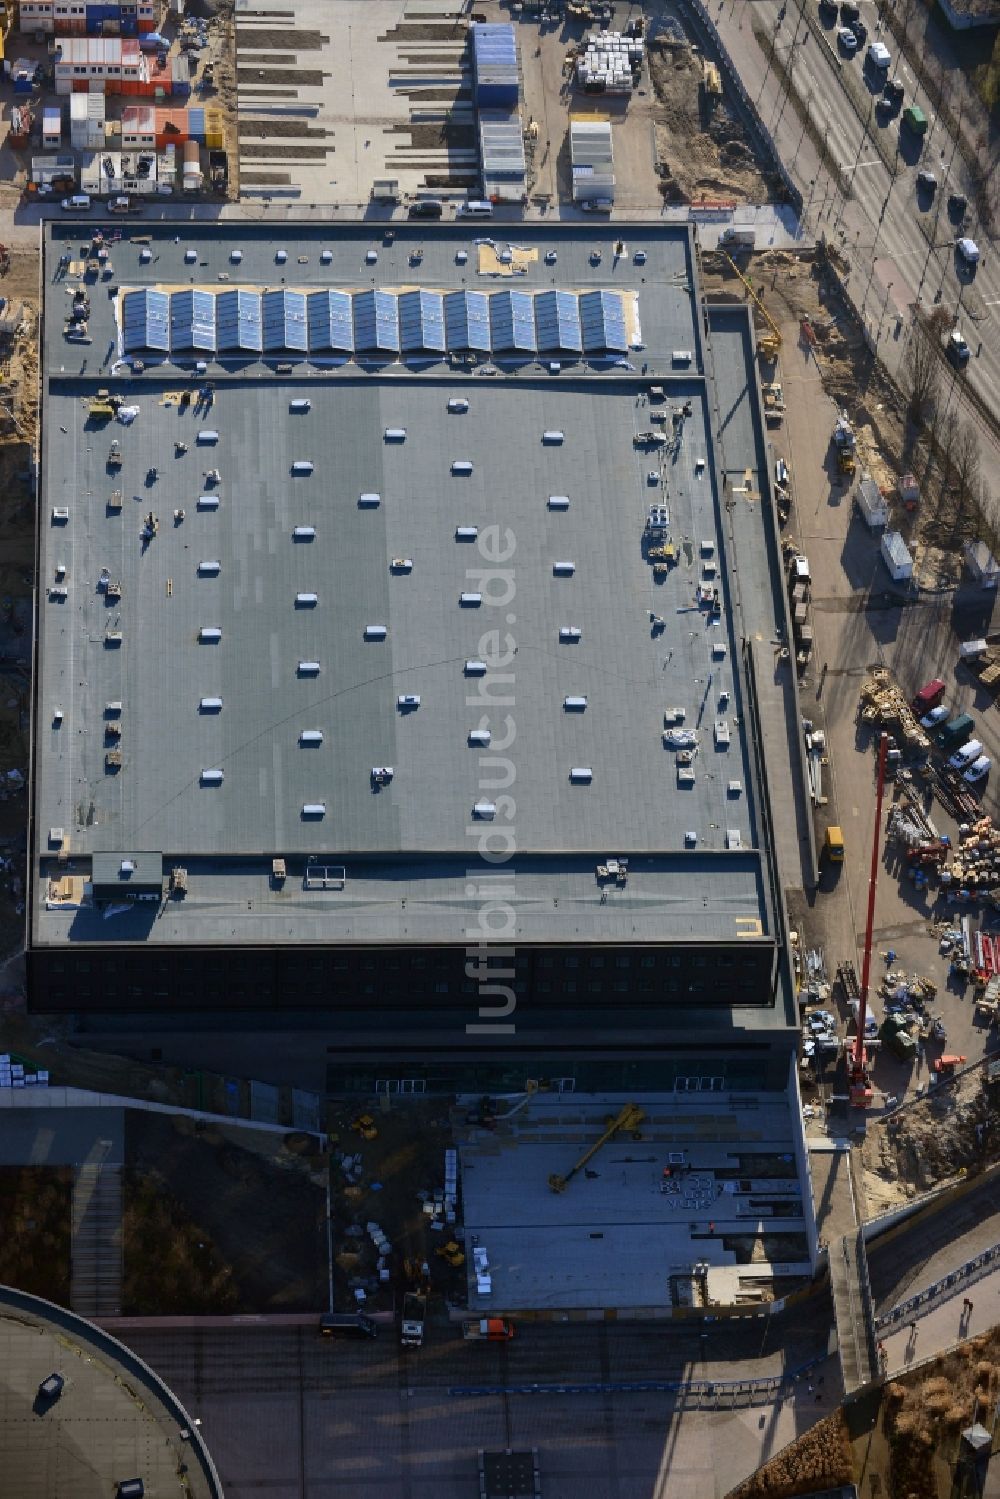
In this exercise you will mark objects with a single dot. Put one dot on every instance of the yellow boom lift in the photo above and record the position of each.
(630, 1118)
(770, 343)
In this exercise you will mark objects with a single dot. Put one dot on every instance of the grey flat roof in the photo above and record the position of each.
(620, 1228)
(420, 828)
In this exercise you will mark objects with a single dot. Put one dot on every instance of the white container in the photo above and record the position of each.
(210, 634)
(314, 809)
(212, 777)
(304, 533)
(306, 600)
(375, 632)
(311, 736)
(209, 569)
(308, 669)
(581, 775)
(210, 705)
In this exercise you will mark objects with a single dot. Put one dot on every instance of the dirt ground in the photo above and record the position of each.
(383, 1187)
(702, 148)
(216, 1214)
(35, 1207)
(932, 1142)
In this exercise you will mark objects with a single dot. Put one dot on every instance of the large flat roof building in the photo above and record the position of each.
(381, 626)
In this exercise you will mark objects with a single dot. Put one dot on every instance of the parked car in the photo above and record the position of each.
(850, 12)
(926, 184)
(963, 758)
(978, 769)
(935, 716)
(879, 55)
(957, 205)
(893, 93)
(968, 252)
(957, 349)
(426, 208)
(51, 1387)
(860, 32)
(847, 40)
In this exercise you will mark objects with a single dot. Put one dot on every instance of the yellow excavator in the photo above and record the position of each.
(769, 343)
(630, 1118)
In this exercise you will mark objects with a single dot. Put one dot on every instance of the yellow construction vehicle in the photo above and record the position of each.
(364, 1125)
(770, 344)
(630, 1118)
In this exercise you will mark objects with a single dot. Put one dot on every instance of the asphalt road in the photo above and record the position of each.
(857, 172)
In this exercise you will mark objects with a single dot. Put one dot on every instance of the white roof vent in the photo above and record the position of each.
(733, 838)
(326, 256)
(690, 838)
(280, 256)
(236, 256)
(126, 867)
(190, 256)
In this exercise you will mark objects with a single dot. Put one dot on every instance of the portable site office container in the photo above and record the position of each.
(208, 437)
(480, 737)
(308, 668)
(369, 501)
(461, 466)
(553, 438)
(210, 705)
(558, 501)
(209, 569)
(581, 775)
(210, 633)
(458, 404)
(212, 777)
(304, 533)
(470, 600)
(306, 600)
(475, 668)
(485, 811)
(311, 736)
(564, 569)
(466, 533)
(208, 502)
(574, 704)
(314, 809)
(302, 466)
(395, 434)
(300, 405)
(570, 632)
(375, 632)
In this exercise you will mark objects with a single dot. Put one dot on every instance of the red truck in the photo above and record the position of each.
(928, 697)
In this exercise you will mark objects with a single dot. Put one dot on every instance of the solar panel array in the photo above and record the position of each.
(374, 322)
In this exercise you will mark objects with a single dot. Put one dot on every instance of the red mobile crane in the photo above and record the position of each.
(858, 1080)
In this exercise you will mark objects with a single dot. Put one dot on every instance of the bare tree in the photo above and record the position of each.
(921, 376)
(965, 460)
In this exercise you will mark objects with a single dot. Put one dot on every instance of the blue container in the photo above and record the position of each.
(497, 95)
(196, 124)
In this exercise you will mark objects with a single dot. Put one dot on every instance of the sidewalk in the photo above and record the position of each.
(944, 1326)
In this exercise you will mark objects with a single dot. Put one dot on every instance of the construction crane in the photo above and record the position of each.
(770, 344)
(630, 1117)
(859, 1085)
